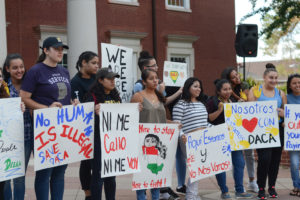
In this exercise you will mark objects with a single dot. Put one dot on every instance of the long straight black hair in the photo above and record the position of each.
(186, 95)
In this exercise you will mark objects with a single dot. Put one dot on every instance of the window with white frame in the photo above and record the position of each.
(180, 49)
(178, 5)
(125, 2)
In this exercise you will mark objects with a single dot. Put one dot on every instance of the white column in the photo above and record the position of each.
(82, 30)
(3, 40)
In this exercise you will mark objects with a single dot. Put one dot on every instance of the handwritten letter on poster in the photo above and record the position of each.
(252, 125)
(157, 148)
(12, 161)
(63, 135)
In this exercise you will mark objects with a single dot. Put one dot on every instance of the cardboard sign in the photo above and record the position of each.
(157, 148)
(292, 127)
(63, 135)
(119, 59)
(12, 158)
(253, 125)
(119, 139)
(175, 73)
(208, 152)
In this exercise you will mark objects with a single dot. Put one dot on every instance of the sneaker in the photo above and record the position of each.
(181, 190)
(252, 186)
(172, 194)
(272, 192)
(225, 196)
(243, 195)
(261, 194)
(164, 196)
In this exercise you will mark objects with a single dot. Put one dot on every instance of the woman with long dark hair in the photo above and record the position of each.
(293, 97)
(87, 66)
(153, 111)
(102, 91)
(269, 158)
(191, 112)
(215, 108)
(47, 84)
(14, 72)
(240, 91)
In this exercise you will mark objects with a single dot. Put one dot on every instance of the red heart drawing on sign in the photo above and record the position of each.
(250, 125)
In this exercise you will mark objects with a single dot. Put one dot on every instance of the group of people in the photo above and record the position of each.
(47, 84)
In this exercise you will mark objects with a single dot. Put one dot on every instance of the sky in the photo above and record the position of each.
(242, 7)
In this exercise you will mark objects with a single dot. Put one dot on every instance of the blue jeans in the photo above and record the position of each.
(55, 177)
(19, 183)
(294, 158)
(238, 163)
(140, 194)
(180, 166)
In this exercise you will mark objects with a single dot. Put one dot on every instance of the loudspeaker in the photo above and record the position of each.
(246, 40)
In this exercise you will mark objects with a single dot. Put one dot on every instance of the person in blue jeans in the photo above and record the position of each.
(216, 116)
(47, 84)
(13, 71)
(293, 97)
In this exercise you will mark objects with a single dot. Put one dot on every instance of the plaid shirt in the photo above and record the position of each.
(28, 131)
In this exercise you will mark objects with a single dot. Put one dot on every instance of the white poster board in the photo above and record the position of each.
(208, 152)
(119, 139)
(12, 158)
(253, 125)
(63, 135)
(157, 148)
(119, 59)
(292, 127)
(175, 73)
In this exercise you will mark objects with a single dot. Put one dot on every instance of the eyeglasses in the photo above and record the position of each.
(154, 65)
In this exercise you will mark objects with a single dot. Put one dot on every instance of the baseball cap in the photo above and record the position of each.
(106, 73)
(53, 42)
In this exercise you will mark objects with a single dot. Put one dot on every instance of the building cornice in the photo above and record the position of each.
(127, 34)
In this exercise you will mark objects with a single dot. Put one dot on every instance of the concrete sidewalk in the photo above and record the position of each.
(208, 188)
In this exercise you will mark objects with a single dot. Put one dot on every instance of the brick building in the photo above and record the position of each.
(200, 33)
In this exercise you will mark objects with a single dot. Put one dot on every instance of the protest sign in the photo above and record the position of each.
(252, 125)
(119, 59)
(292, 127)
(12, 160)
(63, 135)
(208, 152)
(157, 148)
(119, 139)
(175, 73)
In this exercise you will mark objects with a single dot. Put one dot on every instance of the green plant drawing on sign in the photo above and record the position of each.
(1, 131)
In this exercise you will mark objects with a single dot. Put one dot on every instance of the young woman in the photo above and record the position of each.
(269, 158)
(102, 91)
(153, 111)
(240, 91)
(14, 70)
(293, 97)
(87, 66)
(216, 116)
(47, 84)
(191, 113)
(3, 94)
(146, 61)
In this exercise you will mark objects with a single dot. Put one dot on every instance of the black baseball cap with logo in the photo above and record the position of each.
(106, 73)
(53, 42)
